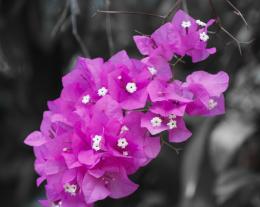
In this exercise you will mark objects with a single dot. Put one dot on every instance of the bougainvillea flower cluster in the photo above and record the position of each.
(108, 121)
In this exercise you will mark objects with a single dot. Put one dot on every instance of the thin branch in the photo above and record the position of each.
(177, 3)
(61, 20)
(237, 12)
(109, 30)
(221, 27)
(140, 33)
(231, 36)
(129, 12)
(74, 12)
(180, 59)
(185, 6)
(177, 150)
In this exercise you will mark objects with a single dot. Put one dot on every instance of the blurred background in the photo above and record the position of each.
(39, 41)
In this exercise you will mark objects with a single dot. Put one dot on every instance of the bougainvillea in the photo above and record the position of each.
(108, 120)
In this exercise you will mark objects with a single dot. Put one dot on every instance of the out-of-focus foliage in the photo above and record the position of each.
(219, 166)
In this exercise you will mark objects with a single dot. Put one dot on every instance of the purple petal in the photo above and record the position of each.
(35, 139)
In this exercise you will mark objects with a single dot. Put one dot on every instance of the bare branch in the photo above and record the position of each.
(177, 150)
(175, 6)
(74, 12)
(60, 20)
(109, 30)
(129, 12)
(221, 27)
(237, 12)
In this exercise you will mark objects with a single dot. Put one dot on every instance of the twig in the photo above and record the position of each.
(177, 150)
(235, 39)
(237, 12)
(221, 27)
(129, 12)
(74, 12)
(140, 33)
(177, 3)
(60, 21)
(178, 60)
(109, 30)
(185, 6)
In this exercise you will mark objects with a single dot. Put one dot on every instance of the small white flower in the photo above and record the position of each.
(131, 87)
(124, 128)
(97, 138)
(102, 91)
(122, 143)
(172, 124)
(125, 153)
(152, 70)
(204, 37)
(119, 77)
(172, 116)
(212, 104)
(96, 146)
(186, 24)
(71, 189)
(85, 99)
(201, 23)
(156, 121)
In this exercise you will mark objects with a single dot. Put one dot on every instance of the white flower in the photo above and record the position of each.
(119, 77)
(71, 189)
(152, 70)
(204, 37)
(186, 24)
(96, 146)
(172, 124)
(97, 138)
(102, 91)
(85, 99)
(122, 143)
(201, 23)
(156, 121)
(212, 104)
(131, 87)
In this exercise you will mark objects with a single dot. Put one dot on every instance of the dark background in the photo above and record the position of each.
(39, 41)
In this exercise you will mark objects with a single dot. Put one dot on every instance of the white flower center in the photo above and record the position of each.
(204, 37)
(201, 23)
(96, 142)
(172, 116)
(85, 99)
(102, 91)
(124, 128)
(212, 104)
(119, 77)
(186, 24)
(172, 124)
(152, 70)
(131, 87)
(71, 189)
(156, 121)
(122, 143)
